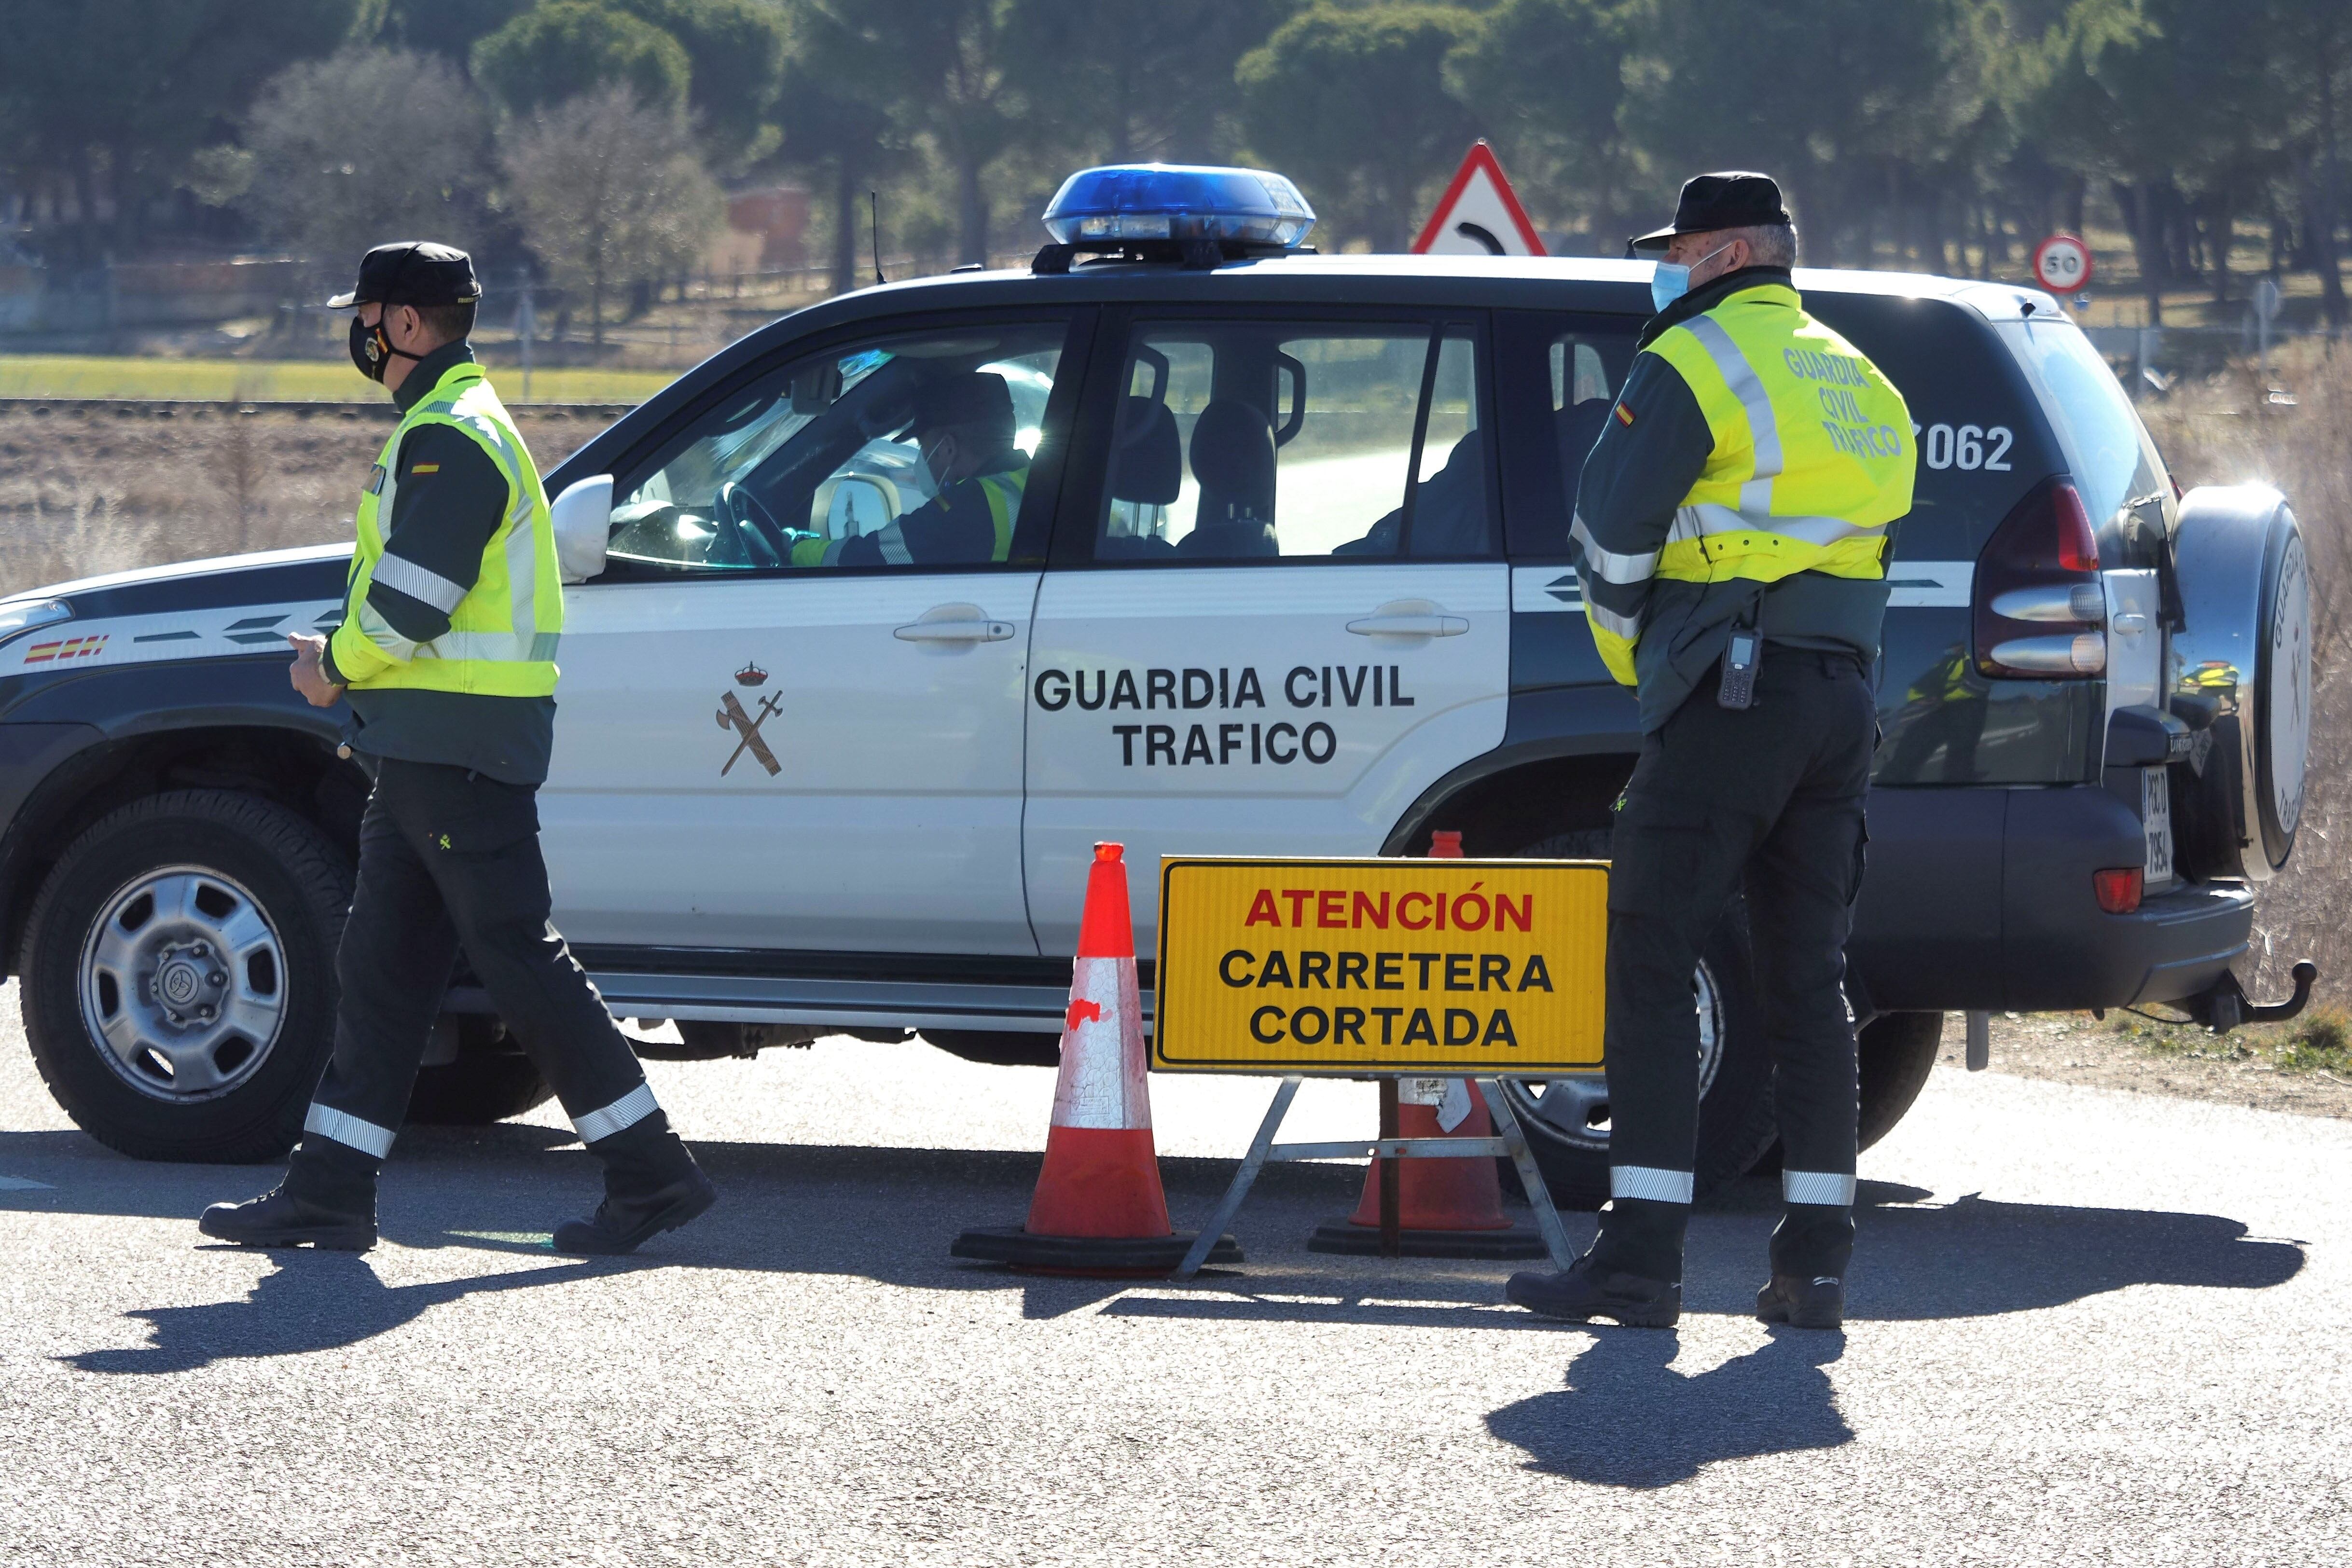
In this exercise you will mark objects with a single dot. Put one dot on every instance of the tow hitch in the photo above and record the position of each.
(2225, 1005)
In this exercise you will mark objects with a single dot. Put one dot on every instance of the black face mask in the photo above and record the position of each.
(371, 350)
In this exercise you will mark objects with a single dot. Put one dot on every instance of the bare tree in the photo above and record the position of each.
(609, 193)
(366, 146)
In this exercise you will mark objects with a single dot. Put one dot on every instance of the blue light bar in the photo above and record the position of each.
(1175, 202)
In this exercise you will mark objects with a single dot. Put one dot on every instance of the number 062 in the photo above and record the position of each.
(1968, 447)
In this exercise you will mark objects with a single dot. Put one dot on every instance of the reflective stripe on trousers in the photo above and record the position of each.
(352, 1132)
(1817, 1186)
(1650, 1184)
(595, 1126)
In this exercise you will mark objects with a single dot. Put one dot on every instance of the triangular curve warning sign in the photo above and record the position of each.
(1478, 215)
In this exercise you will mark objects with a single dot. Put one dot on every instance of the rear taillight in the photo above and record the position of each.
(2040, 609)
(2078, 543)
(2118, 890)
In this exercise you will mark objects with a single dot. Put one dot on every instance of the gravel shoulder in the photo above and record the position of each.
(2126, 1053)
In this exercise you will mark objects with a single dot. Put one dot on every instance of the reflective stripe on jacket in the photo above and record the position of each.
(503, 632)
(1811, 458)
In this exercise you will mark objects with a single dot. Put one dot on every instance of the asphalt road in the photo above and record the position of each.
(2087, 1327)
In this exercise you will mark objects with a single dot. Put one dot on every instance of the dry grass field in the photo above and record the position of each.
(87, 489)
(2230, 429)
(283, 381)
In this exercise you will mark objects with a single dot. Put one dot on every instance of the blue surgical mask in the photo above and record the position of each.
(1672, 280)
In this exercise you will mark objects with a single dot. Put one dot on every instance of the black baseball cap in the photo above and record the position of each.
(413, 272)
(1735, 199)
(965, 397)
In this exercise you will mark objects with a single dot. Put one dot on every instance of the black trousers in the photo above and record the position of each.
(1768, 797)
(449, 858)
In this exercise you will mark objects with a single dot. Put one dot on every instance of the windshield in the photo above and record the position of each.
(824, 451)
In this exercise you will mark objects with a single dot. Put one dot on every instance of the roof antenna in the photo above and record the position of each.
(874, 212)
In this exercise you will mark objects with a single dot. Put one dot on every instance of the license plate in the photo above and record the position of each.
(2155, 817)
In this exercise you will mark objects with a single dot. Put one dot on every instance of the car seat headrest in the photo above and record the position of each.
(1148, 458)
(1232, 457)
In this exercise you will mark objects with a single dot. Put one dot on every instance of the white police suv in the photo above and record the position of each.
(1279, 567)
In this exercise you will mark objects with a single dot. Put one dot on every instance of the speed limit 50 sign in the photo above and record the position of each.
(2061, 264)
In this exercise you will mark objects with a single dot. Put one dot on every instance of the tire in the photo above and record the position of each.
(1898, 1051)
(999, 1048)
(1568, 1137)
(490, 1081)
(123, 945)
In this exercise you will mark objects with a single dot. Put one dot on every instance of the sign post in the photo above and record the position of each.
(1379, 968)
(2266, 309)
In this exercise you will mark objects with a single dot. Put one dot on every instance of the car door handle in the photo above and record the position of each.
(954, 632)
(1389, 625)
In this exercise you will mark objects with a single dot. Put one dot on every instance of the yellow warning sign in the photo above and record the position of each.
(1375, 966)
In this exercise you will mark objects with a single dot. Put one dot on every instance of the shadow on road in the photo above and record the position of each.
(311, 1300)
(889, 1214)
(1627, 1418)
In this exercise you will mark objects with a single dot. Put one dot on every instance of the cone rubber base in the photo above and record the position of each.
(1364, 1241)
(1112, 1257)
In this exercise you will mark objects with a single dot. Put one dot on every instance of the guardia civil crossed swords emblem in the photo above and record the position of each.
(734, 717)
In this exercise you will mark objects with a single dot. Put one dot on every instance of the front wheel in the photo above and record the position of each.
(1567, 1120)
(178, 976)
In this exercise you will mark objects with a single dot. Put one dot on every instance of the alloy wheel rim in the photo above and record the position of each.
(183, 984)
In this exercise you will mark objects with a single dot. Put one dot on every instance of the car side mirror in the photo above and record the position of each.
(583, 516)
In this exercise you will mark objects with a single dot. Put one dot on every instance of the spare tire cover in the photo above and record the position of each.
(2285, 693)
(2241, 665)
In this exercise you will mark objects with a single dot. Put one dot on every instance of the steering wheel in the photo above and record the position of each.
(753, 523)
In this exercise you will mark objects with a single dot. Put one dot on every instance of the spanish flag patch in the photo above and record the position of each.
(1624, 415)
(435, 467)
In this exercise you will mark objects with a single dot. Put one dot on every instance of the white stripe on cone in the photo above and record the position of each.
(1102, 1082)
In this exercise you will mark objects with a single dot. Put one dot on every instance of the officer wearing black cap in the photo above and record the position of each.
(1731, 533)
(963, 425)
(446, 655)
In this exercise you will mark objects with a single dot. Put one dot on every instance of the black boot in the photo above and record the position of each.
(1801, 1302)
(651, 1184)
(1811, 1249)
(327, 1199)
(1631, 1276)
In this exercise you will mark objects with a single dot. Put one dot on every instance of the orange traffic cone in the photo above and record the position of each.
(1098, 1207)
(1445, 1208)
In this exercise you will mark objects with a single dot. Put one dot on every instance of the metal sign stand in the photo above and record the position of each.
(1510, 1141)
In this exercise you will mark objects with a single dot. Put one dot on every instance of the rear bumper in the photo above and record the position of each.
(1981, 898)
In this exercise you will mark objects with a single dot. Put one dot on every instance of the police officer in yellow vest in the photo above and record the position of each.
(446, 653)
(1731, 531)
(963, 426)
